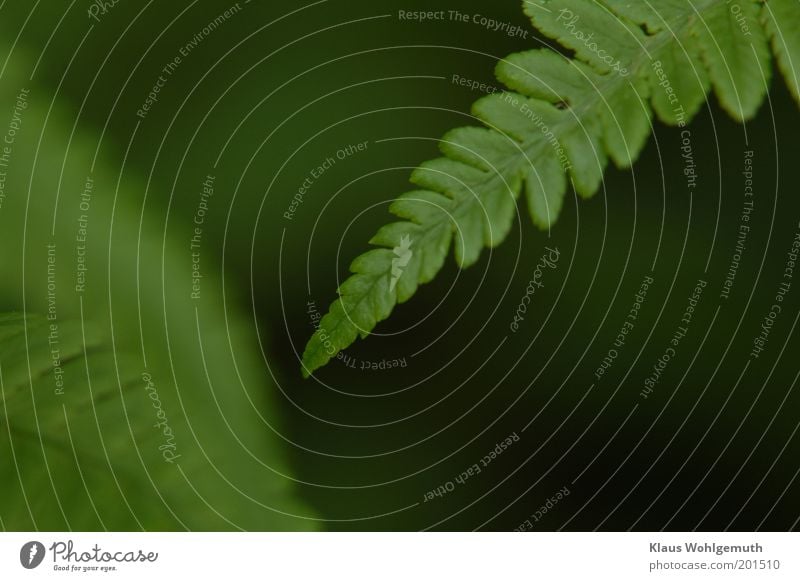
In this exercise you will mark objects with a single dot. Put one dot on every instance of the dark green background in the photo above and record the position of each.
(342, 74)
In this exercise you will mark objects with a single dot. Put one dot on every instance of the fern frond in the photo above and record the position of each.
(564, 118)
(781, 20)
(108, 418)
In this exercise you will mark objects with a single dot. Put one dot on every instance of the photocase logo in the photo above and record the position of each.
(31, 554)
(403, 254)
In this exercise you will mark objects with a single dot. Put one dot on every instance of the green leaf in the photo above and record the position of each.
(657, 16)
(598, 37)
(734, 48)
(564, 114)
(127, 404)
(547, 75)
(680, 82)
(781, 19)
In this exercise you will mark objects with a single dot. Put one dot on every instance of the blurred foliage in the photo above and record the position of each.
(260, 103)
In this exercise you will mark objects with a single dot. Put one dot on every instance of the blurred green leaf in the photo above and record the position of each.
(132, 400)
